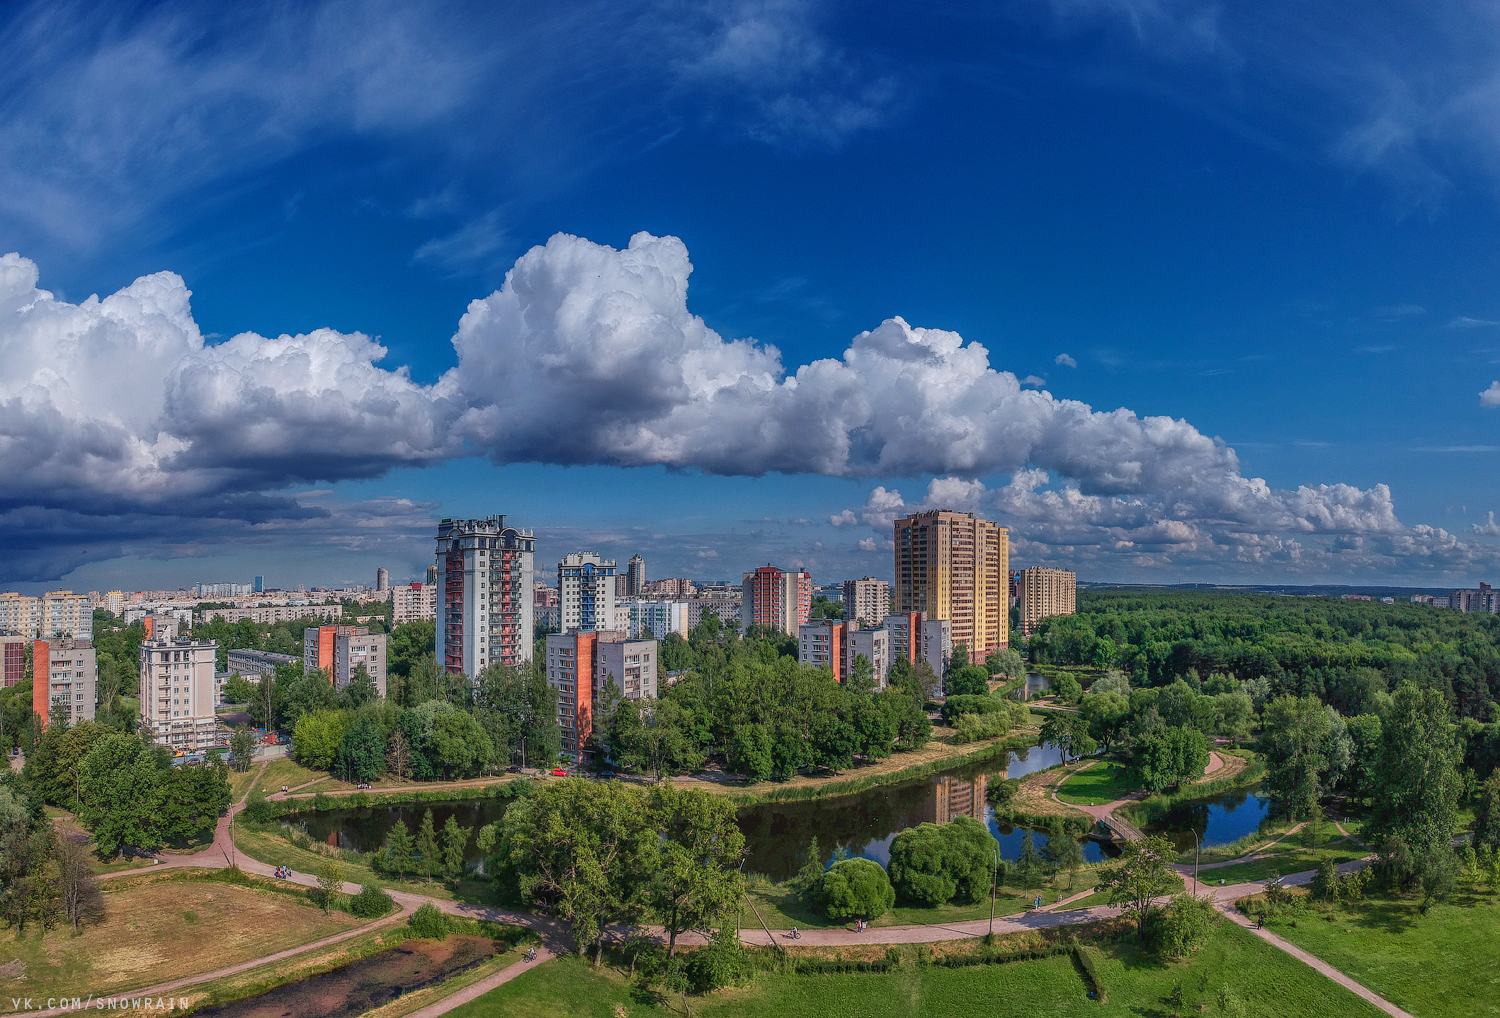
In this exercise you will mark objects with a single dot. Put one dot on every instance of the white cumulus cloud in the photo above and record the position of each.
(1490, 396)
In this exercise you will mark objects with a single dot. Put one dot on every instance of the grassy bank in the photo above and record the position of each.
(1267, 982)
(1144, 812)
(1103, 782)
(1438, 965)
(901, 767)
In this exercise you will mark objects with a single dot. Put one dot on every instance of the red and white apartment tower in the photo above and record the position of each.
(776, 599)
(484, 594)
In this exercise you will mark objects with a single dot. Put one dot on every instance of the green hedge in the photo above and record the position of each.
(1088, 964)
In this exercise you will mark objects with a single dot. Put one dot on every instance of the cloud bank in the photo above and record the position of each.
(117, 409)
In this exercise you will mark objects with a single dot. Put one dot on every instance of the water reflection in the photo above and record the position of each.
(778, 835)
(1218, 820)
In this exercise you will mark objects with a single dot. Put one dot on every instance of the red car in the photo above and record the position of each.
(559, 772)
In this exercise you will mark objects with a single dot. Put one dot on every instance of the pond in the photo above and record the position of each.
(1218, 819)
(778, 835)
(363, 985)
(1036, 685)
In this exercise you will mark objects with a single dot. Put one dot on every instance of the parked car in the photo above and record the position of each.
(559, 772)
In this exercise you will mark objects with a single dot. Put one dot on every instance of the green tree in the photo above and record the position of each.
(1069, 732)
(1062, 851)
(581, 852)
(242, 748)
(428, 860)
(1029, 862)
(1169, 757)
(1300, 738)
(398, 849)
(455, 840)
(933, 864)
(330, 884)
(317, 737)
(1418, 771)
(1142, 875)
(856, 889)
(361, 753)
(970, 680)
(1487, 812)
(1183, 926)
(457, 746)
(695, 880)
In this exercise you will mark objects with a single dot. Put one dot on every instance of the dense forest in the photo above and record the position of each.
(1305, 646)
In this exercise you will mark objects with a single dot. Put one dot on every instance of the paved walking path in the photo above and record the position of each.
(221, 852)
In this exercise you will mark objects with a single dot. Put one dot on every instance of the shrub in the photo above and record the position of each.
(933, 864)
(428, 923)
(258, 810)
(371, 902)
(970, 704)
(1088, 963)
(1181, 927)
(720, 963)
(856, 889)
(322, 803)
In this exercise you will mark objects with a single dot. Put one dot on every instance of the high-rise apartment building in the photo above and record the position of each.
(775, 599)
(431, 575)
(635, 576)
(867, 601)
(578, 665)
(676, 586)
(12, 659)
(484, 583)
(114, 602)
(586, 592)
(60, 613)
(382, 578)
(916, 638)
(339, 650)
(953, 566)
(1043, 592)
(64, 680)
(653, 619)
(259, 585)
(179, 692)
(411, 602)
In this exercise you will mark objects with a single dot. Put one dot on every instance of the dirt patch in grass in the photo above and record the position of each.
(144, 938)
(1035, 794)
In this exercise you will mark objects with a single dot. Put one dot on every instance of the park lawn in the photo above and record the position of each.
(274, 850)
(782, 908)
(1105, 781)
(291, 773)
(240, 782)
(1438, 965)
(1271, 984)
(1176, 886)
(157, 929)
(1284, 863)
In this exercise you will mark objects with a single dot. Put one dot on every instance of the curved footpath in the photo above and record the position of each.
(555, 938)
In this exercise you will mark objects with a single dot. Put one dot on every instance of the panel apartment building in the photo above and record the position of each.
(340, 650)
(866, 601)
(484, 594)
(835, 645)
(413, 602)
(64, 680)
(578, 665)
(953, 566)
(179, 691)
(60, 613)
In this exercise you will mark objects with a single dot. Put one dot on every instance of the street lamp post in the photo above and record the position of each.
(994, 887)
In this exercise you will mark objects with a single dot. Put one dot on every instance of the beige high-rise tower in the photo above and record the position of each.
(1043, 592)
(950, 565)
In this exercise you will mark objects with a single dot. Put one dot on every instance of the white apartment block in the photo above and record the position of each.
(632, 666)
(60, 613)
(207, 591)
(655, 619)
(114, 602)
(586, 591)
(484, 594)
(179, 691)
(266, 614)
(413, 602)
(727, 611)
(835, 645)
(866, 601)
(69, 670)
(1044, 592)
(915, 638)
(252, 664)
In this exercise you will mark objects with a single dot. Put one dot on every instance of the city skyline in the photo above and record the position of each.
(1174, 298)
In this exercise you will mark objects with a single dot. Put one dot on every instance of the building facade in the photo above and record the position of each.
(268, 613)
(252, 664)
(179, 691)
(339, 650)
(64, 680)
(635, 576)
(586, 592)
(60, 613)
(653, 619)
(1043, 592)
(867, 601)
(775, 599)
(835, 645)
(954, 566)
(382, 578)
(412, 602)
(12, 659)
(578, 664)
(674, 587)
(484, 594)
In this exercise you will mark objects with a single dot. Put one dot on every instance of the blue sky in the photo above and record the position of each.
(1270, 228)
